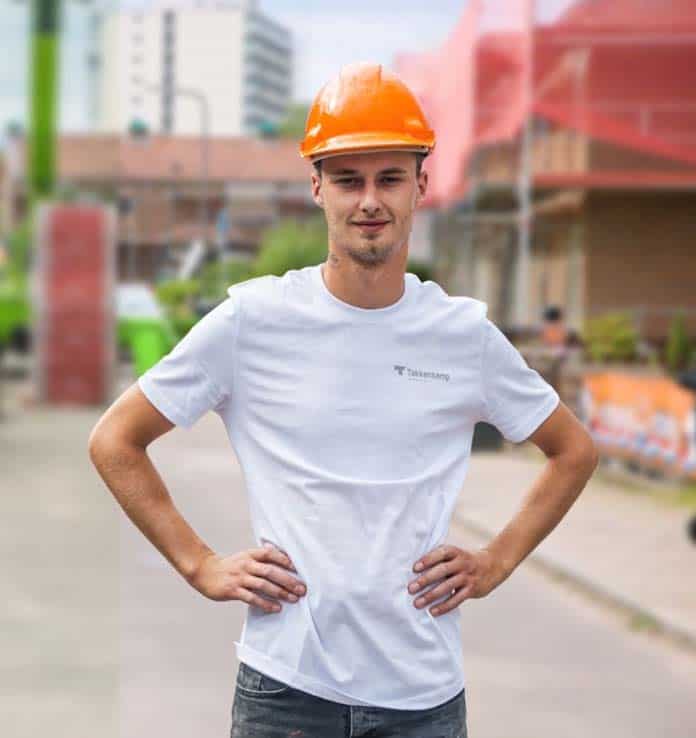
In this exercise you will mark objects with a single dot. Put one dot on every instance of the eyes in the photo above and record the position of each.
(350, 182)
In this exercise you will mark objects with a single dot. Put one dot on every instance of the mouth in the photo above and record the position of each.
(371, 225)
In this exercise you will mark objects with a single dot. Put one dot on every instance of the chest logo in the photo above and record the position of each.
(419, 374)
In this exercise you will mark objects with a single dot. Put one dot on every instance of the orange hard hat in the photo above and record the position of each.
(365, 108)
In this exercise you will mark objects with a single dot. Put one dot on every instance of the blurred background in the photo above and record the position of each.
(149, 159)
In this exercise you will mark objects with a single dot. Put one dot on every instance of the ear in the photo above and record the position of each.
(316, 190)
(422, 186)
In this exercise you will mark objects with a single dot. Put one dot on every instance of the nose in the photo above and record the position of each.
(370, 205)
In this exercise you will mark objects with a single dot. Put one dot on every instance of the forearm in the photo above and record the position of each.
(545, 505)
(138, 488)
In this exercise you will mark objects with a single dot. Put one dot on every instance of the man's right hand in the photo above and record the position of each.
(243, 575)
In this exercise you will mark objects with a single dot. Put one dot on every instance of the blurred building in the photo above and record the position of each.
(233, 55)
(158, 187)
(596, 246)
(595, 115)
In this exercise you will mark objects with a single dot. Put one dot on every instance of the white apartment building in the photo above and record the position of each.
(142, 62)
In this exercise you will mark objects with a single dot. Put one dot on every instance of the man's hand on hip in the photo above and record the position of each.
(247, 574)
(462, 574)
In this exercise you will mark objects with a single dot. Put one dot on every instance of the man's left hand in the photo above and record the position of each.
(463, 574)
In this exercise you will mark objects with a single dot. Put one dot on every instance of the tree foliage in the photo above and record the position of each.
(217, 276)
(292, 244)
(678, 351)
(611, 337)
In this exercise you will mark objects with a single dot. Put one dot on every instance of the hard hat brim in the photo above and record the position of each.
(366, 143)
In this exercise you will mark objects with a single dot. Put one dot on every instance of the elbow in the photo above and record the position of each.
(94, 445)
(99, 444)
(591, 452)
(585, 455)
(108, 453)
(592, 457)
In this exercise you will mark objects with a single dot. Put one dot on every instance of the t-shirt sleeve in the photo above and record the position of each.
(516, 399)
(197, 374)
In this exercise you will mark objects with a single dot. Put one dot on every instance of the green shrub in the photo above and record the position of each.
(611, 337)
(19, 243)
(177, 297)
(216, 277)
(678, 350)
(183, 324)
(292, 244)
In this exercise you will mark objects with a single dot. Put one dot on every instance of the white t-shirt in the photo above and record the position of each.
(353, 429)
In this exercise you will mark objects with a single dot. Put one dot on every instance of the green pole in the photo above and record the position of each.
(41, 160)
(40, 155)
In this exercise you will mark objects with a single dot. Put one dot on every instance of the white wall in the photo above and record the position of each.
(209, 58)
(130, 58)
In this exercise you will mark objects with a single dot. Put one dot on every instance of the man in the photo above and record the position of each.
(350, 391)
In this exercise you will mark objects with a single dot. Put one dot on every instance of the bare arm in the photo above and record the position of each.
(571, 460)
(117, 448)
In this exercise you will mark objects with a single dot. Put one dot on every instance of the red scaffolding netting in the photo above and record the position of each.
(618, 71)
(452, 66)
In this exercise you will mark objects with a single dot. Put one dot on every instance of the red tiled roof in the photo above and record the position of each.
(107, 157)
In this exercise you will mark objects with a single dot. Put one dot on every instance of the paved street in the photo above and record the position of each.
(60, 627)
(625, 547)
(101, 636)
(544, 662)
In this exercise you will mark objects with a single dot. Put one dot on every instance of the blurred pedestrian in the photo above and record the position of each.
(554, 334)
(349, 390)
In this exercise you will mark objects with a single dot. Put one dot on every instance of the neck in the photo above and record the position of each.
(365, 287)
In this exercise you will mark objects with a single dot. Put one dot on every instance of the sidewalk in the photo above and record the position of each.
(626, 549)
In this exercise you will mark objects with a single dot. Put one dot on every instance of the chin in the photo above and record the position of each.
(369, 253)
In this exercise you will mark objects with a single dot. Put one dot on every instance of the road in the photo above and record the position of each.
(102, 637)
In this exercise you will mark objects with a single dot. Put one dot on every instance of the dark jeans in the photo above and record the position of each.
(267, 708)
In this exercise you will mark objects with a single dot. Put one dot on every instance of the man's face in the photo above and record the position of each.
(369, 201)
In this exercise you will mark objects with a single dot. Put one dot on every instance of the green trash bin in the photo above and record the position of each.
(149, 339)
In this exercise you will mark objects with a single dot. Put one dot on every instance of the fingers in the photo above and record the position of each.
(442, 562)
(453, 571)
(279, 576)
(454, 601)
(264, 585)
(253, 599)
(441, 553)
(267, 573)
(439, 571)
(445, 588)
(270, 553)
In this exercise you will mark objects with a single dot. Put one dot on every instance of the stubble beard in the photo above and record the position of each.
(370, 253)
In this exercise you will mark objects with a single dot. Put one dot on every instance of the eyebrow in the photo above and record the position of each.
(343, 172)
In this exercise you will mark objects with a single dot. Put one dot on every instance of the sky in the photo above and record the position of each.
(327, 34)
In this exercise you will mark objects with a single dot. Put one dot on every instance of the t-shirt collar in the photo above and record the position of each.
(353, 310)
